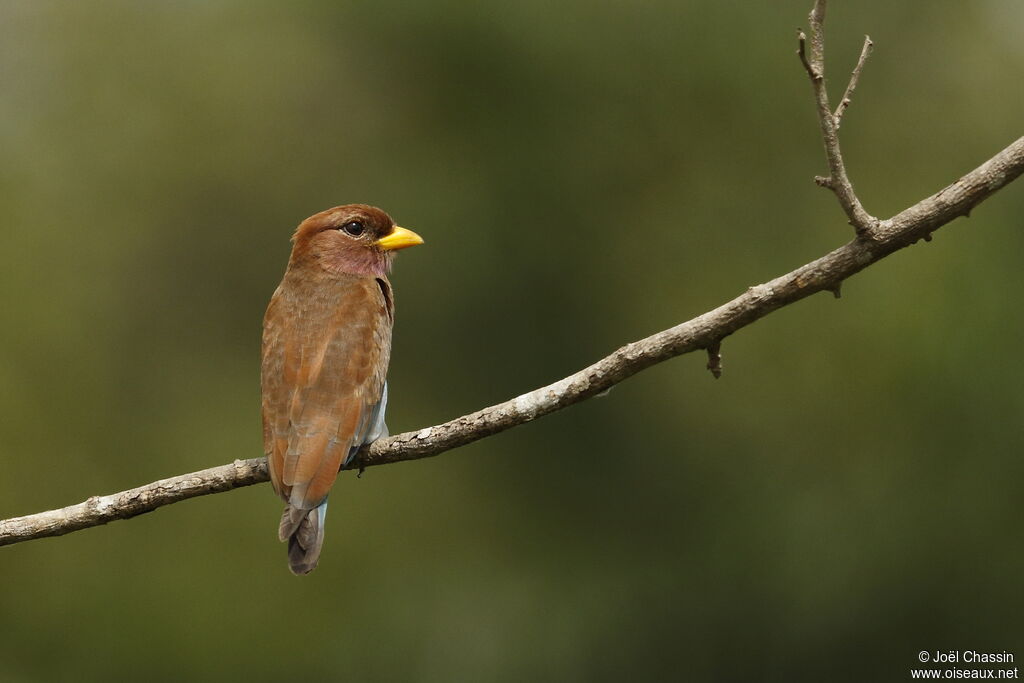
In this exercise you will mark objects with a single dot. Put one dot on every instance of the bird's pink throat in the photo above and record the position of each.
(366, 262)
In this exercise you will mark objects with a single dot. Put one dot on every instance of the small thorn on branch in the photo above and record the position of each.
(823, 181)
(837, 291)
(715, 359)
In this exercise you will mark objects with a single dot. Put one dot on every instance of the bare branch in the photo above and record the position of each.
(865, 52)
(817, 20)
(126, 504)
(703, 332)
(837, 181)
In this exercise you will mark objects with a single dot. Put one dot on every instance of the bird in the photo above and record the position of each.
(326, 347)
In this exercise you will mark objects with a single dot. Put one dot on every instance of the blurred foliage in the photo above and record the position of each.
(585, 174)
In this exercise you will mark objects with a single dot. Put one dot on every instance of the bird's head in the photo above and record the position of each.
(354, 239)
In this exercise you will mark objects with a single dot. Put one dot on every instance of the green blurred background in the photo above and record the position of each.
(585, 174)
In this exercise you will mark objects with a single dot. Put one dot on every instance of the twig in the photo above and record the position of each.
(801, 50)
(865, 52)
(817, 20)
(825, 274)
(838, 181)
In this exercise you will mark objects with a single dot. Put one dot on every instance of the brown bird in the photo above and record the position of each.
(326, 346)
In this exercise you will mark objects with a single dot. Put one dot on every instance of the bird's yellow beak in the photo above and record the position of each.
(400, 238)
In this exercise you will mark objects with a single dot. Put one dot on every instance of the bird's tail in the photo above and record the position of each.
(304, 531)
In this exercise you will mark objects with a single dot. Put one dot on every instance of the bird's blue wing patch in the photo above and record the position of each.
(372, 427)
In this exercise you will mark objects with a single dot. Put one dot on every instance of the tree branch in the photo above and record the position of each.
(703, 332)
(865, 52)
(127, 504)
(837, 181)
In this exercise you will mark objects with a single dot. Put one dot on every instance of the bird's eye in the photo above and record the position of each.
(354, 228)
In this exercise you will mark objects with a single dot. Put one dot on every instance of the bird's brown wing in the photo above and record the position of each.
(325, 356)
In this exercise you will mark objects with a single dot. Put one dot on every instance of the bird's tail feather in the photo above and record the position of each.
(304, 531)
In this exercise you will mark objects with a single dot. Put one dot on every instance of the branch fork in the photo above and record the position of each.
(838, 181)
